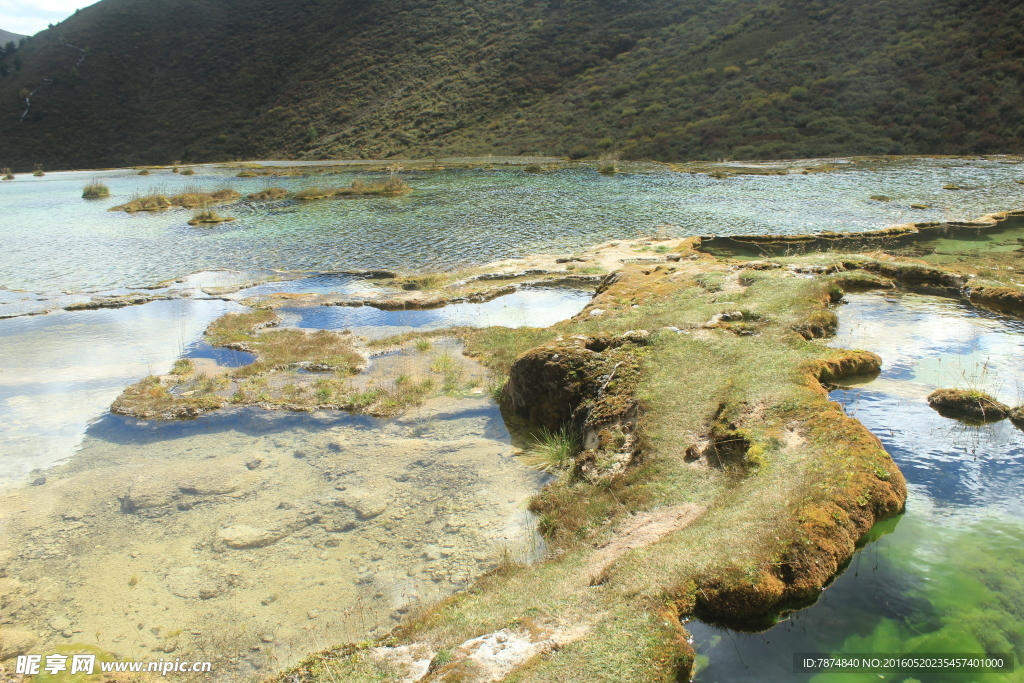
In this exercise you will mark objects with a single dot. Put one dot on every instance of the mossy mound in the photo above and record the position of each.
(1006, 299)
(151, 399)
(192, 200)
(968, 403)
(95, 191)
(209, 218)
(156, 202)
(269, 194)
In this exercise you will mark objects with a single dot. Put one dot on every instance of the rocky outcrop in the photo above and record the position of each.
(586, 382)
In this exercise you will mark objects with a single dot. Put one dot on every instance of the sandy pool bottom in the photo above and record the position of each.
(251, 538)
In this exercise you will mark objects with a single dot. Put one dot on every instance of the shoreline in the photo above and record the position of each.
(549, 268)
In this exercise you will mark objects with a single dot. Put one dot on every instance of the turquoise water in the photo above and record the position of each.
(948, 575)
(57, 241)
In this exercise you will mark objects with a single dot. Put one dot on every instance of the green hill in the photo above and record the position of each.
(209, 80)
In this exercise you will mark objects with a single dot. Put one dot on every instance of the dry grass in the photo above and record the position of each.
(153, 202)
(393, 186)
(95, 190)
(269, 194)
(209, 217)
(194, 197)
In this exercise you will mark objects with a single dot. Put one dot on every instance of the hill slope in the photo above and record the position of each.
(7, 37)
(206, 80)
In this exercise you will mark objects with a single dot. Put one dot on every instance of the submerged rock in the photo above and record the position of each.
(147, 493)
(14, 642)
(364, 504)
(195, 583)
(242, 536)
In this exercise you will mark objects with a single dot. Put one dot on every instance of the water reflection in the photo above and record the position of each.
(947, 576)
(62, 370)
(535, 307)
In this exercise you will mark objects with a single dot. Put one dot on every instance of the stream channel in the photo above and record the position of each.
(219, 538)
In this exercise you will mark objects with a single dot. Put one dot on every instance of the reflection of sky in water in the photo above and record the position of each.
(928, 343)
(451, 218)
(954, 464)
(535, 307)
(62, 370)
(966, 490)
(228, 358)
(937, 343)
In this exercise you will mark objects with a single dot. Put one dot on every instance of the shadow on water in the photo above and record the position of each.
(945, 577)
(257, 422)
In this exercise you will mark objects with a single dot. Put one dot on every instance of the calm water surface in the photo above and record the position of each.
(55, 240)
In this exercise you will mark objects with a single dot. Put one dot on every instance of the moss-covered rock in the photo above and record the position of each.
(968, 403)
(1000, 298)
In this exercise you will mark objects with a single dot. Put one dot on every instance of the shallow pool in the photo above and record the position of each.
(947, 576)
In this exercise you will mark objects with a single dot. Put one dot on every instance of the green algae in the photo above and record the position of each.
(970, 598)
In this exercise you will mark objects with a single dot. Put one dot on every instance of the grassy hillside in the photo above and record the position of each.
(208, 80)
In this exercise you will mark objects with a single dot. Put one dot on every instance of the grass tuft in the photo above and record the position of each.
(552, 450)
(95, 190)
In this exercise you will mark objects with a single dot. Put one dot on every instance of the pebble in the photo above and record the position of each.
(60, 623)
